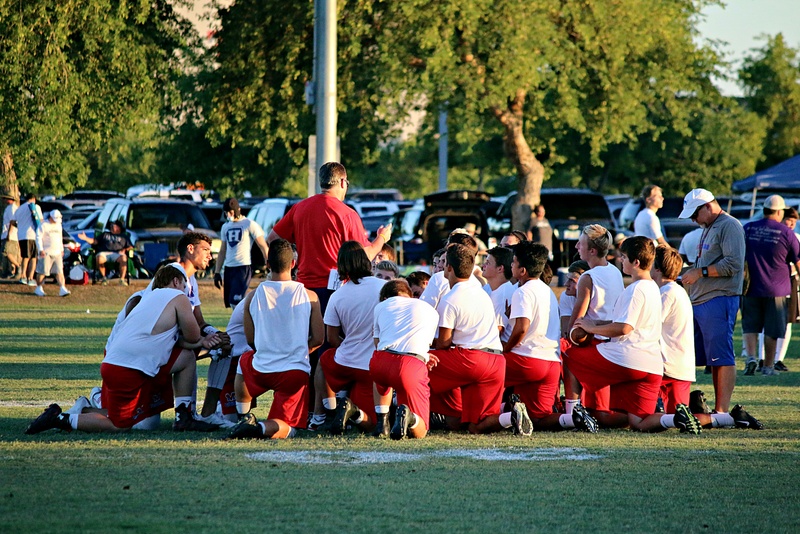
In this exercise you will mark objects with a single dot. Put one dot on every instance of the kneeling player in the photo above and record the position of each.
(141, 369)
(282, 321)
(404, 328)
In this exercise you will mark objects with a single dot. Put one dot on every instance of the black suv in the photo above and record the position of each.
(156, 221)
(568, 211)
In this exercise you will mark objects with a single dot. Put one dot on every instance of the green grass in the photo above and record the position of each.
(50, 351)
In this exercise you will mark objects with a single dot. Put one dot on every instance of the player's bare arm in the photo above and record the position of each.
(445, 338)
(316, 328)
(583, 295)
(521, 325)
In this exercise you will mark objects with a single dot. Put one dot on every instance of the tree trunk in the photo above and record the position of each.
(530, 172)
(8, 178)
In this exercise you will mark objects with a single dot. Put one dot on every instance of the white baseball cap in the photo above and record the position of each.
(56, 215)
(693, 200)
(775, 203)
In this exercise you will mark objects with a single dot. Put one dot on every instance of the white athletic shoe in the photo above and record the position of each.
(64, 292)
(216, 419)
(94, 397)
(80, 403)
(39, 292)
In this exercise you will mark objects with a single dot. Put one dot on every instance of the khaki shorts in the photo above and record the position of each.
(50, 265)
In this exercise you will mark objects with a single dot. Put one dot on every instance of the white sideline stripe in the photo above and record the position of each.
(366, 457)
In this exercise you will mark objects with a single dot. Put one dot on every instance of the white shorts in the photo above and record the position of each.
(50, 265)
(109, 256)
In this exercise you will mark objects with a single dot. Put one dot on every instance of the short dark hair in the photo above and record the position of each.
(165, 275)
(465, 240)
(547, 274)
(395, 288)
(579, 267)
(462, 260)
(503, 256)
(352, 262)
(668, 261)
(30, 196)
(790, 213)
(439, 252)
(417, 278)
(331, 173)
(520, 235)
(388, 265)
(191, 238)
(648, 190)
(639, 248)
(280, 256)
(532, 257)
(232, 204)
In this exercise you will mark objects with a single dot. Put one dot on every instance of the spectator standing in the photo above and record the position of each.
(647, 223)
(9, 248)
(238, 235)
(28, 219)
(714, 286)
(769, 249)
(541, 232)
(51, 254)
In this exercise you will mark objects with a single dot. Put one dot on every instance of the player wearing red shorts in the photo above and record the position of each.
(533, 364)
(403, 330)
(283, 323)
(467, 383)
(141, 370)
(630, 362)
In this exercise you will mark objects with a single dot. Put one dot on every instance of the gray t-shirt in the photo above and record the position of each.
(721, 245)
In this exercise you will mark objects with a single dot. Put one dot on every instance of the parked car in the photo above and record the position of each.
(74, 216)
(616, 203)
(267, 213)
(156, 221)
(568, 211)
(84, 226)
(95, 198)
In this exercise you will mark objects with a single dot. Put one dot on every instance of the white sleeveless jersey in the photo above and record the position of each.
(132, 344)
(281, 312)
(607, 286)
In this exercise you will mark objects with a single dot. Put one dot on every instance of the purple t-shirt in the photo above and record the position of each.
(770, 247)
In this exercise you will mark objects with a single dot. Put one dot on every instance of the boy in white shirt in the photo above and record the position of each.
(533, 365)
(630, 363)
(51, 254)
(497, 271)
(403, 330)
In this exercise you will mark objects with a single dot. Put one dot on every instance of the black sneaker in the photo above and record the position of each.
(437, 422)
(246, 428)
(742, 419)
(780, 366)
(520, 420)
(185, 421)
(49, 419)
(685, 421)
(345, 409)
(404, 418)
(697, 402)
(750, 367)
(382, 426)
(583, 421)
(760, 365)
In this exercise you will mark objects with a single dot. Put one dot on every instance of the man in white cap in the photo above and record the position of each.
(770, 248)
(714, 285)
(51, 254)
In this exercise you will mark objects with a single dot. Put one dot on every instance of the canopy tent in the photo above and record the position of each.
(785, 176)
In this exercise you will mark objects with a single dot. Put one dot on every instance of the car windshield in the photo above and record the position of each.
(166, 216)
(566, 206)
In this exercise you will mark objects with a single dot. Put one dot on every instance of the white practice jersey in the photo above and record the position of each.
(404, 324)
(281, 313)
(352, 308)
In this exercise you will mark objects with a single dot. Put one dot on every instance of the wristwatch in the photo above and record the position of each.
(704, 270)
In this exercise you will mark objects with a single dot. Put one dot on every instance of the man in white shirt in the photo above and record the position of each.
(238, 235)
(438, 285)
(50, 244)
(9, 242)
(28, 219)
(497, 272)
(467, 383)
(403, 330)
(630, 363)
(146, 362)
(283, 323)
(647, 223)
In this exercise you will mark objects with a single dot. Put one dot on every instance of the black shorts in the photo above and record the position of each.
(764, 313)
(27, 248)
(236, 283)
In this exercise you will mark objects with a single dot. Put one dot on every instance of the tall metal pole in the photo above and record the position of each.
(326, 81)
(443, 149)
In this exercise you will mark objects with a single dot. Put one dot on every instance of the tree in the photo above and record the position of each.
(770, 77)
(77, 74)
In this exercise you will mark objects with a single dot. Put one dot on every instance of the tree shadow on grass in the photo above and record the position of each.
(50, 371)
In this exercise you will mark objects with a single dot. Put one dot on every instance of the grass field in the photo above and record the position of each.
(50, 350)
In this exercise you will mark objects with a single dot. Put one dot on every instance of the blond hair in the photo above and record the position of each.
(599, 238)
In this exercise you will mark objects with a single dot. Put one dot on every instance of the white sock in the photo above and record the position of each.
(329, 403)
(722, 420)
(668, 420)
(417, 421)
(381, 409)
(292, 432)
(565, 420)
(263, 428)
(340, 395)
(318, 418)
(73, 420)
(183, 400)
(360, 417)
(569, 404)
(505, 419)
(243, 407)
